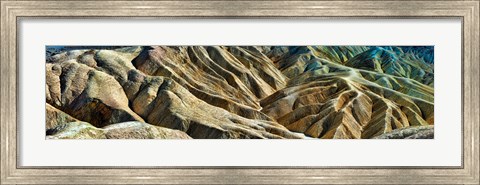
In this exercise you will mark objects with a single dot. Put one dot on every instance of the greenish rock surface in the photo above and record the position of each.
(419, 132)
(124, 130)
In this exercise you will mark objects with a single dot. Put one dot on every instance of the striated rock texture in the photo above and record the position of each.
(419, 132)
(124, 130)
(213, 92)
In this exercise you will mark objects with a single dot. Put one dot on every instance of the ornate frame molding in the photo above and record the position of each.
(468, 11)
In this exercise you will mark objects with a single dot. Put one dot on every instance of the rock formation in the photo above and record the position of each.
(169, 92)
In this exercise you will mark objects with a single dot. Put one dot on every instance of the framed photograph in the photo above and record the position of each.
(239, 92)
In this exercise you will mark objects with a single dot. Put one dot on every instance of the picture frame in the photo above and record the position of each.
(468, 173)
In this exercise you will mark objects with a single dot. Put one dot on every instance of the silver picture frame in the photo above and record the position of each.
(12, 11)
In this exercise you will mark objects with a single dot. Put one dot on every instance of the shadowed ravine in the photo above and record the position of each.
(213, 92)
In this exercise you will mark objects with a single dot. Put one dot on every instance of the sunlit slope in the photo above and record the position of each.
(350, 92)
(202, 91)
(293, 61)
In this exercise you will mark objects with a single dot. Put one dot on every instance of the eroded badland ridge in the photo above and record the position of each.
(240, 92)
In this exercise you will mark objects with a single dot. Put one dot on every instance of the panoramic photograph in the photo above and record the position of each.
(239, 92)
